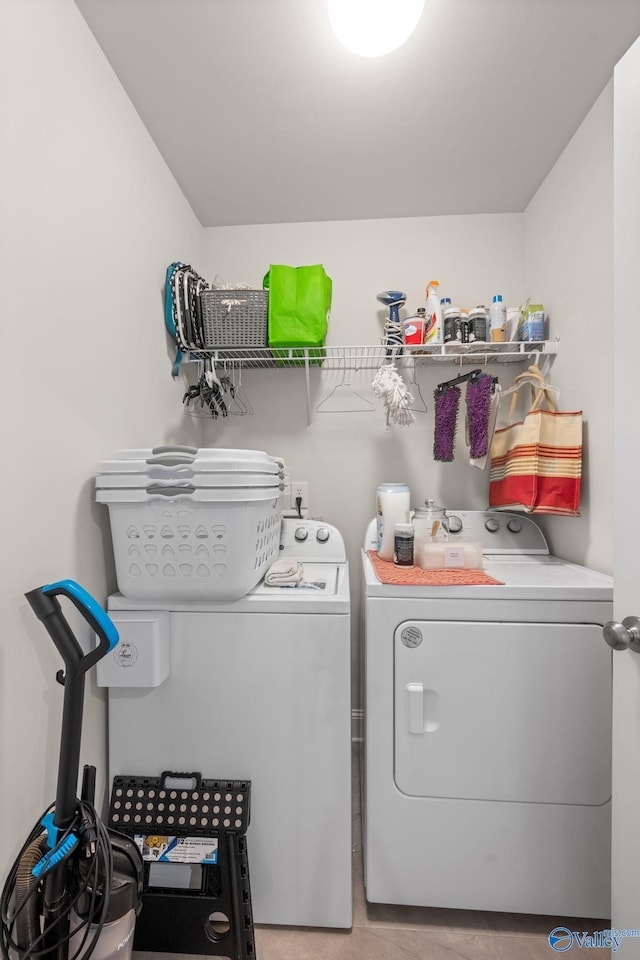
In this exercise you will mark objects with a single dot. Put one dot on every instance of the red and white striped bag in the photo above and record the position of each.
(536, 463)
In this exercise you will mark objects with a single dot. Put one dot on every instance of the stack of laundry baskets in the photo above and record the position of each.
(187, 523)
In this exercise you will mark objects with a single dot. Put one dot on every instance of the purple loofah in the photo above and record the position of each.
(478, 404)
(446, 408)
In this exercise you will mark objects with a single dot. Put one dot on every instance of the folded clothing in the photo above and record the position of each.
(283, 572)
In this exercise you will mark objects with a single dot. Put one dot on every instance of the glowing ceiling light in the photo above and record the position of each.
(372, 28)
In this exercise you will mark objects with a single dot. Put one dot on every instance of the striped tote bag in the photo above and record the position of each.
(536, 463)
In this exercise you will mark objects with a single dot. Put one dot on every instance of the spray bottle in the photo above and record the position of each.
(433, 325)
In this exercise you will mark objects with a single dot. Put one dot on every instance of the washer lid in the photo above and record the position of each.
(325, 590)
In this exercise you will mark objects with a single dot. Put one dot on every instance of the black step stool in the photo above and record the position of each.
(191, 833)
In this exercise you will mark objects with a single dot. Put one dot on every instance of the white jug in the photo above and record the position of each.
(393, 503)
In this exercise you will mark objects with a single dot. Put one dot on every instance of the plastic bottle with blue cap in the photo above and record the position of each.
(498, 320)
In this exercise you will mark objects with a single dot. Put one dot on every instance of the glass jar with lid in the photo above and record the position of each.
(429, 521)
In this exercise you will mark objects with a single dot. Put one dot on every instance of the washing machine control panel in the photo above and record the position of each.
(311, 540)
(498, 531)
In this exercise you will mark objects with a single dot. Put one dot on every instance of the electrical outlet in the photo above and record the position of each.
(300, 489)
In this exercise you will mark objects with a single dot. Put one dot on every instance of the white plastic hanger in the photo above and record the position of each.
(540, 390)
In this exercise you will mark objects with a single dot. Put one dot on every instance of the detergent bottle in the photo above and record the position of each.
(433, 325)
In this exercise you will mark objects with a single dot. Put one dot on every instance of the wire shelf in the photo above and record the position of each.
(231, 361)
(370, 357)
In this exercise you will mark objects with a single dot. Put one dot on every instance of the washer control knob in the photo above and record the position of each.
(453, 524)
(322, 535)
(491, 525)
(515, 525)
(301, 534)
(623, 636)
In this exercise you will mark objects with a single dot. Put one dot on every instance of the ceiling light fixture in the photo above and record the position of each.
(372, 28)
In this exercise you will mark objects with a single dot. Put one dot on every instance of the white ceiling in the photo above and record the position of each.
(264, 118)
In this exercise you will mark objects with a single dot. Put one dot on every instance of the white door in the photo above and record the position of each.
(452, 701)
(626, 664)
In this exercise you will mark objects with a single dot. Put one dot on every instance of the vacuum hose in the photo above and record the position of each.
(27, 908)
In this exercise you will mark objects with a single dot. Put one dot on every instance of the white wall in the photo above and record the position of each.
(546, 253)
(568, 262)
(90, 219)
(345, 455)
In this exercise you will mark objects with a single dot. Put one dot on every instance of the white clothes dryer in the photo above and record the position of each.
(257, 689)
(487, 774)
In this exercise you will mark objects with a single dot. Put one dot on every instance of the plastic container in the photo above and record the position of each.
(205, 458)
(403, 535)
(115, 940)
(433, 332)
(498, 320)
(188, 478)
(461, 554)
(450, 322)
(532, 322)
(478, 324)
(392, 506)
(463, 327)
(182, 542)
(413, 330)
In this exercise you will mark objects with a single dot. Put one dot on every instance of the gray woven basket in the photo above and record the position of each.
(234, 318)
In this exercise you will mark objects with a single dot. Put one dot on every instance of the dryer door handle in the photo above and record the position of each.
(422, 709)
(415, 707)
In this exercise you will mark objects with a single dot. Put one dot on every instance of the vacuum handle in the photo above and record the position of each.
(47, 608)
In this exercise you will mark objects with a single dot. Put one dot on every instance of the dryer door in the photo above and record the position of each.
(503, 711)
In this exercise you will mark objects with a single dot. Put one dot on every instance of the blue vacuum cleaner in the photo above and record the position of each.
(75, 888)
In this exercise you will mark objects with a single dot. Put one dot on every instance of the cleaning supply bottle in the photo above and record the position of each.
(433, 327)
(498, 320)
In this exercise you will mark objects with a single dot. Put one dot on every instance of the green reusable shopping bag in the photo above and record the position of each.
(299, 307)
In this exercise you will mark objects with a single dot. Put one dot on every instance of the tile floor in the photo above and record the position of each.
(388, 932)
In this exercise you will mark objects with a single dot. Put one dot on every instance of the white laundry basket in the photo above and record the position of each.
(183, 542)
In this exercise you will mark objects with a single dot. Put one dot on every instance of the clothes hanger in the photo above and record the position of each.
(540, 389)
(472, 376)
(415, 388)
(532, 375)
(353, 401)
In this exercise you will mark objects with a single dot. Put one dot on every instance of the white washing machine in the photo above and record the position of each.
(487, 778)
(257, 689)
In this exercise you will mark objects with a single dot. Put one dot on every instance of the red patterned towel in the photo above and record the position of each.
(387, 572)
